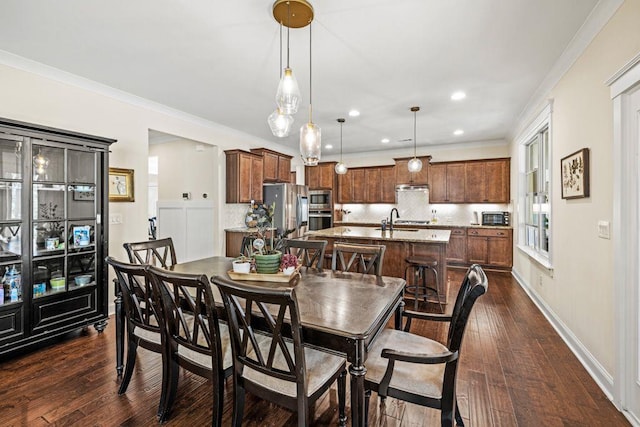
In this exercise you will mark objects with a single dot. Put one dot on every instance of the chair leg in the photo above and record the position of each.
(170, 394)
(132, 347)
(166, 368)
(218, 398)
(367, 398)
(342, 393)
(238, 403)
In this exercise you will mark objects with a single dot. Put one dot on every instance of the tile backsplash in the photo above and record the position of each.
(414, 205)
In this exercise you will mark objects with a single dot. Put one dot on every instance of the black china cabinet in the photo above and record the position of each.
(53, 233)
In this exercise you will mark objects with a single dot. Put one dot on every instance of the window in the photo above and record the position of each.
(535, 197)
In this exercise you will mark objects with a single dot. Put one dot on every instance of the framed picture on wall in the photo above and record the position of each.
(575, 175)
(121, 185)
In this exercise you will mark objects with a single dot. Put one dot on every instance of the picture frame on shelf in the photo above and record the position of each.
(82, 235)
(574, 169)
(121, 185)
(84, 193)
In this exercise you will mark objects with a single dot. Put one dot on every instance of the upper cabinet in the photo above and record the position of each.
(403, 176)
(244, 176)
(276, 167)
(487, 181)
(321, 177)
(475, 181)
(446, 182)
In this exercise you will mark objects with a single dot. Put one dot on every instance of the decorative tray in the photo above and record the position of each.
(263, 277)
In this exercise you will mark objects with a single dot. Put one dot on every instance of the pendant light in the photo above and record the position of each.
(280, 123)
(341, 168)
(310, 134)
(288, 94)
(415, 164)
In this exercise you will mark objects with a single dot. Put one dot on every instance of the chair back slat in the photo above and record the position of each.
(309, 252)
(251, 307)
(188, 312)
(473, 286)
(160, 253)
(137, 294)
(362, 258)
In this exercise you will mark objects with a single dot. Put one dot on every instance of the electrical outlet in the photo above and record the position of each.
(540, 283)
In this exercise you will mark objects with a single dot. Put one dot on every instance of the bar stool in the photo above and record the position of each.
(419, 267)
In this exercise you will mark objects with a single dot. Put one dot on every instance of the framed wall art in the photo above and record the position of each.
(121, 185)
(575, 175)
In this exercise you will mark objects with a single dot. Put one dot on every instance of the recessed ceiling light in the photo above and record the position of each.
(354, 113)
(458, 132)
(328, 146)
(385, 140)
(457, 96)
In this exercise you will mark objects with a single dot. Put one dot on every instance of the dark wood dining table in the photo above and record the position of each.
(340, 312)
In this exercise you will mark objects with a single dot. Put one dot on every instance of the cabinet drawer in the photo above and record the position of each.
(73, 307)
(11, 322)
(488, 232)
(458, 231)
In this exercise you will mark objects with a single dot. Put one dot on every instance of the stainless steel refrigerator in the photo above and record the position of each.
(292, 207)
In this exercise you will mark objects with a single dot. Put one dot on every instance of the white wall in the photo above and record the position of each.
(35, 93)
(579, 294)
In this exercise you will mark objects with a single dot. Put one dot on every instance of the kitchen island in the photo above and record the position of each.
(400, 244)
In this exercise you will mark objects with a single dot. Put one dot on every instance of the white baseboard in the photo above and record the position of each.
(600, 375)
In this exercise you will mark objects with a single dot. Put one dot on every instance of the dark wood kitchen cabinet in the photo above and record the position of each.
(244, 176)
(276, 167)
(53, 226)
(487, 181)
(387, 175)
(457, 248)
(352, 186)
(403, 176)
(490, 247)
(321, 177)
(447, 182)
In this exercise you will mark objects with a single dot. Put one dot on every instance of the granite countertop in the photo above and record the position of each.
(425, 227)
(354, 232)
(241, 230)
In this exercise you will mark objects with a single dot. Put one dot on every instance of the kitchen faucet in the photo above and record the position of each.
(391, 218)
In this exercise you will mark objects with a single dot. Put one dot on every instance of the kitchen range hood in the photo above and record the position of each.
(411, 187)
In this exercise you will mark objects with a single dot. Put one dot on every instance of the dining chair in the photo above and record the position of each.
(310, 252)
(158, 252)
(420, 370)
(143, 325)
(360, 257)
(196, 340)
(282, 370)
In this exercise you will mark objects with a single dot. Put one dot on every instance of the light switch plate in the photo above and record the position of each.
(604, 230)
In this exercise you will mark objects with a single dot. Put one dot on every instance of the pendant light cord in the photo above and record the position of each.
(288, 26)
(414, 134)
(340, 142)
(310, 85)
(280, 68)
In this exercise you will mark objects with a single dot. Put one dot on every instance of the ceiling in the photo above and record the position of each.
(220, 60)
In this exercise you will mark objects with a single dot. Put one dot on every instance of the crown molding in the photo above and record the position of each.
(24, 64)
(597, 19)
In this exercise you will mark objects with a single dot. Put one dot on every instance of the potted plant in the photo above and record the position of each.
(242, 264)
(289, 263)
(50, 233)
(269, 241)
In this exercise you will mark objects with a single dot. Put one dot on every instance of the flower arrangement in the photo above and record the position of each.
(273, 238)
(288, 260)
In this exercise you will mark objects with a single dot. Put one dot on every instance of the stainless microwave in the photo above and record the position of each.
(495, 218)
(320, 199)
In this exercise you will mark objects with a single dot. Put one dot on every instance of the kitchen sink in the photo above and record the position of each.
(399, 229)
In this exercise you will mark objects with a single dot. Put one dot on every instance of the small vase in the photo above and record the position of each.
(241, 266)
(268, 263)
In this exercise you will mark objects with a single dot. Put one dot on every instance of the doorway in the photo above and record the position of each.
(625, 92)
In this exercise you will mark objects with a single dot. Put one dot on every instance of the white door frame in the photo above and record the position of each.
(626, 229)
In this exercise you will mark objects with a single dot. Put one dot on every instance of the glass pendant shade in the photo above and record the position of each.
(280, 123)
(310, 143)
(341, 168)
(415, 165)
(288, 95)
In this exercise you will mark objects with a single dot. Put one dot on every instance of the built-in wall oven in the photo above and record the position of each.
(320, 219)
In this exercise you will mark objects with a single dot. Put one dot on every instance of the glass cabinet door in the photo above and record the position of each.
(10, 219)
(64, 219)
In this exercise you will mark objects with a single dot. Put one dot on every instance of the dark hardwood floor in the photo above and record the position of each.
(515, 371)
